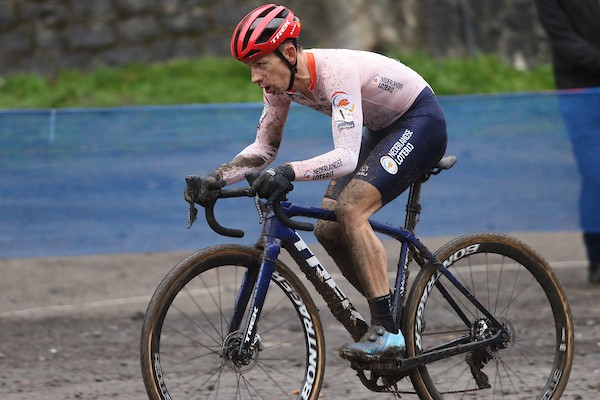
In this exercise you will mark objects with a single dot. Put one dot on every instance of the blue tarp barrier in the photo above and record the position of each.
(89, 181)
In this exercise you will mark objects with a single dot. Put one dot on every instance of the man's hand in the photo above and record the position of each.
(200, 189)
(273, 182)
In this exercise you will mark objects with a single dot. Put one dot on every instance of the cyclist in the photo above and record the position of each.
(404, 135)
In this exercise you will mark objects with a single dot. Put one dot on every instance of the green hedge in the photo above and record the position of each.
(215, 80)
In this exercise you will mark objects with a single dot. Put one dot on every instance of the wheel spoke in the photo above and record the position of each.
(519, 289)
(187, 325)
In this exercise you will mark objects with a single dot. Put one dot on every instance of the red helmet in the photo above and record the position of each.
(262, 30)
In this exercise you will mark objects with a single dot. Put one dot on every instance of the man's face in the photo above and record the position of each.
(270, 73)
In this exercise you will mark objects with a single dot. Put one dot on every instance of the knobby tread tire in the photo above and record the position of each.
(171, 297)
(502, 258)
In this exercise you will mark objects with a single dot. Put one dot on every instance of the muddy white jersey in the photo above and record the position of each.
(354, 88)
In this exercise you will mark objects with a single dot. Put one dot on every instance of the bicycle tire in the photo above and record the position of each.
(520, 289)
(184, 334)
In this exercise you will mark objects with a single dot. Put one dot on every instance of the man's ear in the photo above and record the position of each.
(290, 52)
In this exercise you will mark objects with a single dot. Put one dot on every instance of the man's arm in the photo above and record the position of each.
(346, 126)
(263, 150)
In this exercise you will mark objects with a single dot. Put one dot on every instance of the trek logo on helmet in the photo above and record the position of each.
(280, 32)
(250, 40)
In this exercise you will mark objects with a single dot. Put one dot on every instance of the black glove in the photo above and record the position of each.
(202, 189)
(273, 182)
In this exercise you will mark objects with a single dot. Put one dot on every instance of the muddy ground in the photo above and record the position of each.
(69, 327)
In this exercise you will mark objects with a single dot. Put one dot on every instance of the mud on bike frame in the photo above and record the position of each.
(280, 230)
(212, 330)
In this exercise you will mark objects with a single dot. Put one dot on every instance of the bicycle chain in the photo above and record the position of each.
(443, 332)
(399, 392)
(386, 369)
(393, 387)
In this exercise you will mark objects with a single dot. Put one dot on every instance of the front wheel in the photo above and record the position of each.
(189, 346)
(520, 290)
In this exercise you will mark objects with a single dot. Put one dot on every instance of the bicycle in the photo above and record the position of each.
(234, 321)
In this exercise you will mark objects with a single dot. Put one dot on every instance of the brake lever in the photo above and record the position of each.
(192, 215)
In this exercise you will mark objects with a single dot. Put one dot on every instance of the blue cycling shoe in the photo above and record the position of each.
(375, 345)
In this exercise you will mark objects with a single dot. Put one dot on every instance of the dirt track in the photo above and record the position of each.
(69, 327)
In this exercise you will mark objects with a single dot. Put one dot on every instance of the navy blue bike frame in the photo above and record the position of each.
(277, 235)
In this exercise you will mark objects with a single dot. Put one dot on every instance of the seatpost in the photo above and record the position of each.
(413, 206)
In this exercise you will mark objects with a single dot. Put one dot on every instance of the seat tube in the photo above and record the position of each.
(413, 209)
(400, 286)
(272, 248)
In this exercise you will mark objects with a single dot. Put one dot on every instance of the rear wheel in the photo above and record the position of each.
(520, 290)
(189, 351)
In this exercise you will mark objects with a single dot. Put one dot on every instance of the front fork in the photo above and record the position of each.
(256, 284)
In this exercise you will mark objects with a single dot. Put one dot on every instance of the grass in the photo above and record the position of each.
(483, 74)
(218, 80)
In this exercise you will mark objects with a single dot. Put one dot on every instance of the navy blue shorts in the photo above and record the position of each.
(394, 157)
